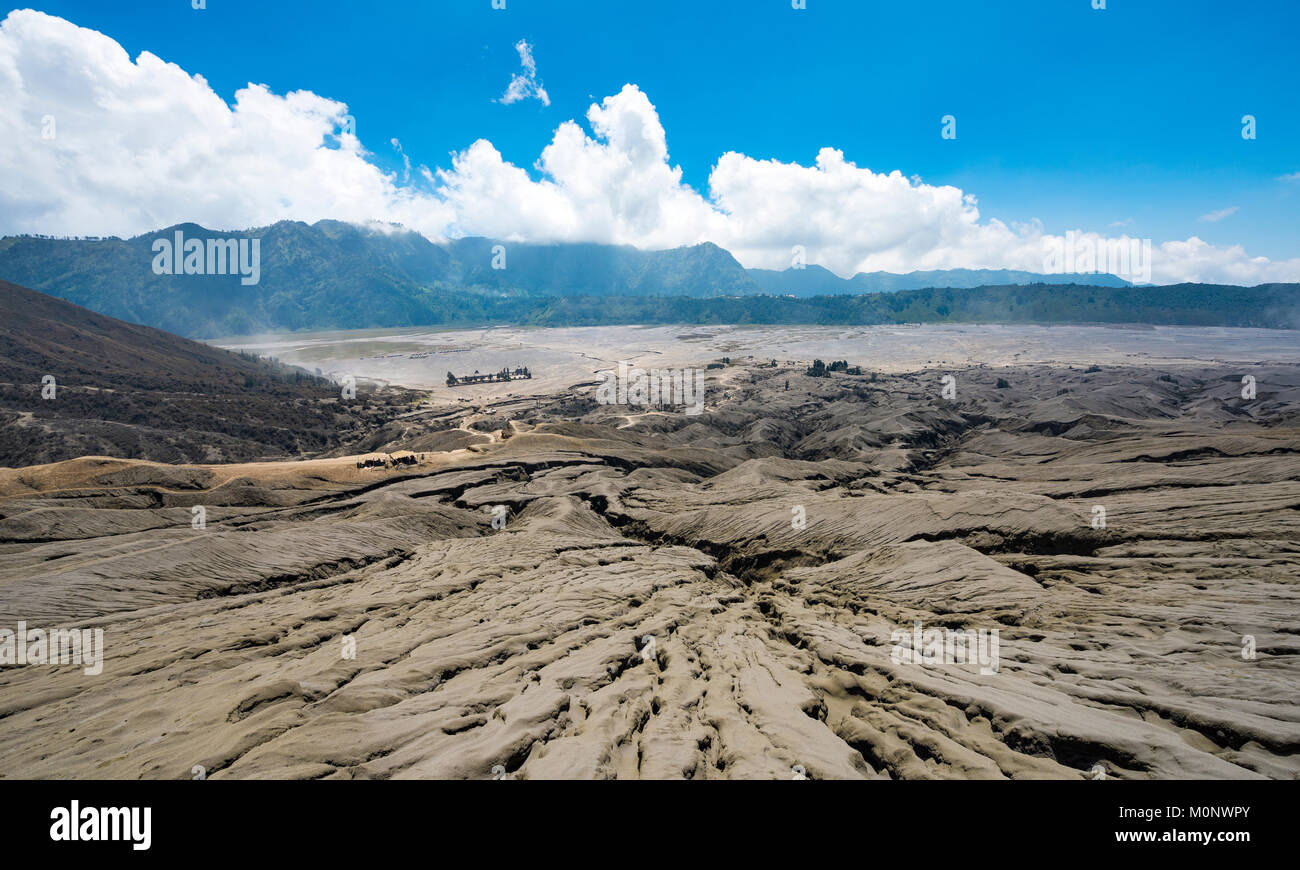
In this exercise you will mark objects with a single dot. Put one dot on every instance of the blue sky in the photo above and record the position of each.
(1126, 119)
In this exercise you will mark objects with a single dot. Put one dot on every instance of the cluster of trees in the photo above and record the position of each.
(67, 238)
(819, 369)
(1268, 306)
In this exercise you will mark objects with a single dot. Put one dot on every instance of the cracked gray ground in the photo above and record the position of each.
(520, 647)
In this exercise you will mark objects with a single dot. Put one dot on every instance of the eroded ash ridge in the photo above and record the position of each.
(517, 648)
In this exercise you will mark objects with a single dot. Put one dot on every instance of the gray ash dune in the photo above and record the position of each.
(521, 650)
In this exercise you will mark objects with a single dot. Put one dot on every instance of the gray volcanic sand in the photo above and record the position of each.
(559, 358)
(519, 650)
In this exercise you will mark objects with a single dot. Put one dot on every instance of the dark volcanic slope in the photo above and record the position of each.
(519, 650)
(133, 391)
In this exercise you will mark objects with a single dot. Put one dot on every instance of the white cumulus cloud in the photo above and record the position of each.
(141, 144)
(136, 145)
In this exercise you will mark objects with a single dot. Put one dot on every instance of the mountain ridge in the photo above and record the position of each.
(814, 280)
(338, 275)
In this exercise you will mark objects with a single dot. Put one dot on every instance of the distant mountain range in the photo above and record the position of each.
(338, 275)
(819, 281)
(335, 275)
